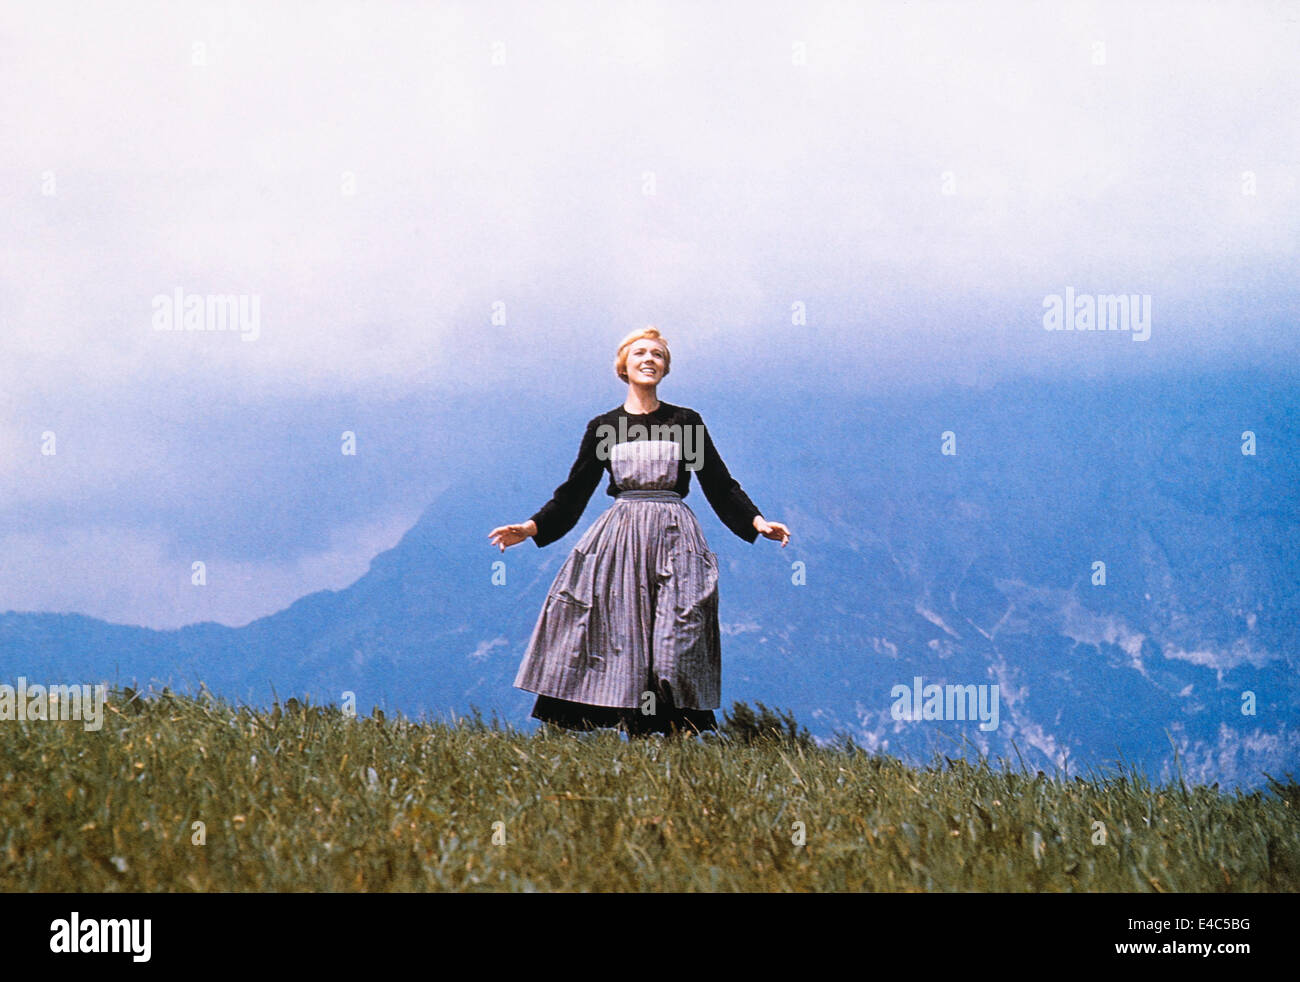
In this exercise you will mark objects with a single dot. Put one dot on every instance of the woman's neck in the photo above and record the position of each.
(641, 400)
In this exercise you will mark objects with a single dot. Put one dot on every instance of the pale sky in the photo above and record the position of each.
(918, 176)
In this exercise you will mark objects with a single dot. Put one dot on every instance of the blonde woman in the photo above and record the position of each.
(628, 635)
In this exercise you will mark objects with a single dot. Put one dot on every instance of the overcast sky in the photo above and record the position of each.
(382, 177)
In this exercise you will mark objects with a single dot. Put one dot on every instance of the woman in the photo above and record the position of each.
(628, 635)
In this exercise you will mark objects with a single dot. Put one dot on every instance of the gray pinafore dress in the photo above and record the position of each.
(634, 607)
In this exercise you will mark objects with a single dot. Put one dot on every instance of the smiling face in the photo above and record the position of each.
(647, 361)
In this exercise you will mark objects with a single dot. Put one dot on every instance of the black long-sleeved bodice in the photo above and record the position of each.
(696, 453)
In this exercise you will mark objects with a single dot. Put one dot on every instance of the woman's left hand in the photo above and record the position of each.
(772, 530)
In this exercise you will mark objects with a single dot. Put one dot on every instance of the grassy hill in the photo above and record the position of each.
(310, 799)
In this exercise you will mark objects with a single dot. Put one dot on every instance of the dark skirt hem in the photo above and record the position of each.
(580, 716)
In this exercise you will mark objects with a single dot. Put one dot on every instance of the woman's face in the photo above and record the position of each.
(646, 361)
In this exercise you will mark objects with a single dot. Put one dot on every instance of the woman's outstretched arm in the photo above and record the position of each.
(512, 535)
(555, 518)
(772, 530)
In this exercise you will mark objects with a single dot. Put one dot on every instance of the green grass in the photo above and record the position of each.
(311, 800)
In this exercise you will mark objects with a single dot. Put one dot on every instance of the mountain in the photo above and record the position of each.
(975, 568)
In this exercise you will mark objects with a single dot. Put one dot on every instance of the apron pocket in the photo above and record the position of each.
(694, 582)
(575, 583)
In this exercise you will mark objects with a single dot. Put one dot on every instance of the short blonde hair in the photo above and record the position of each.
(620, 360)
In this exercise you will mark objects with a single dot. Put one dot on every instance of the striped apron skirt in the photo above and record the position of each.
(629, 630)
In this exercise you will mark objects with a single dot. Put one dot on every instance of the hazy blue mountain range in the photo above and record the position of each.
(966, 569)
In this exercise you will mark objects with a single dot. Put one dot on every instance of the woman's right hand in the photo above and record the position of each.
(512, 535)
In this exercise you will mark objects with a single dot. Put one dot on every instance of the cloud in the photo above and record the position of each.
(134, 575)
(525, 180)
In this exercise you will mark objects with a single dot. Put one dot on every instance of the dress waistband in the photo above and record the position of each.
(650, 495)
